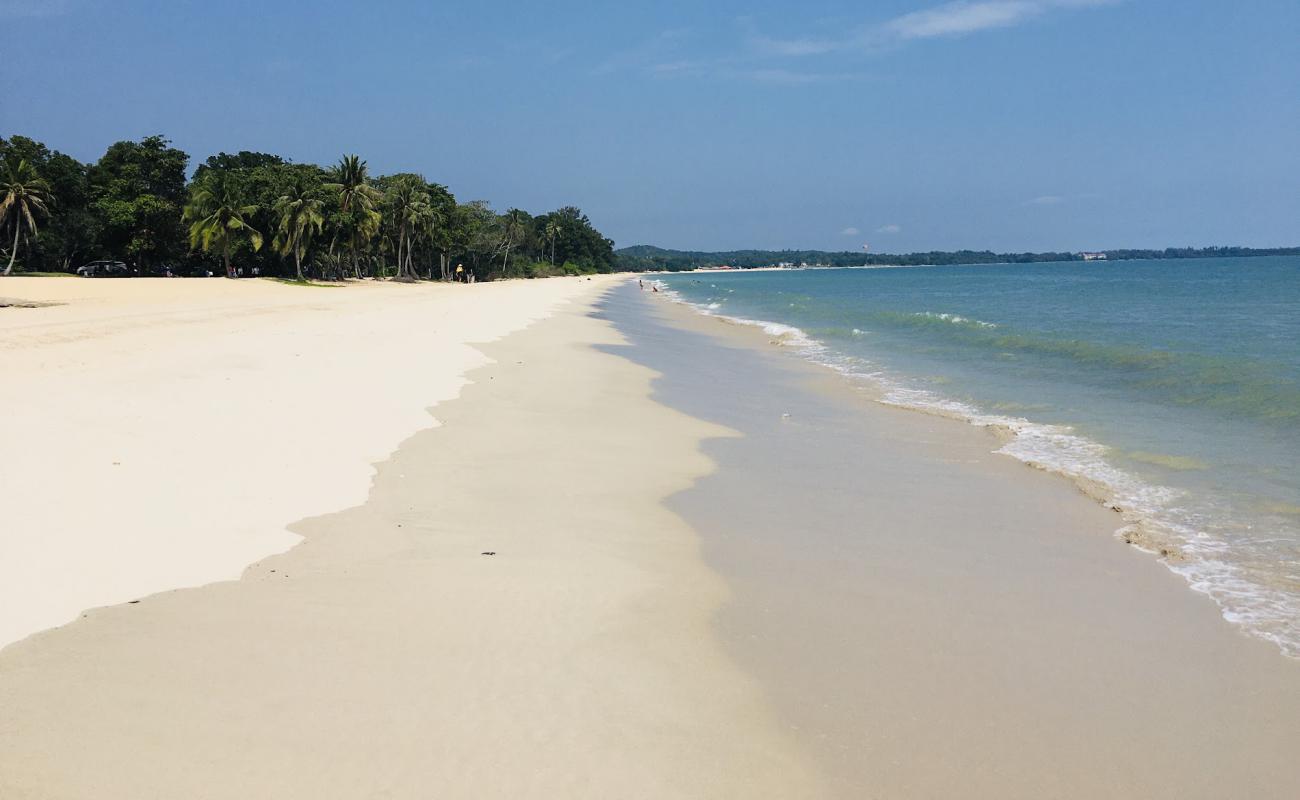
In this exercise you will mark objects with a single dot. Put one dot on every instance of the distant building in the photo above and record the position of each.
(1093, 256)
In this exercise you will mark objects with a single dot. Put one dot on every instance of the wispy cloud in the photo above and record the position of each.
(647, 54)
(961, 18)
(891, 228)
(765, 59)
(1046, 200)
(949, 20)
(850, 232)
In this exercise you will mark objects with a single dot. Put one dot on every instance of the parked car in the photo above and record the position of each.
(105, 269)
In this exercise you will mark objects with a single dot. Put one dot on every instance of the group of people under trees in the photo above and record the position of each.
(260, 214)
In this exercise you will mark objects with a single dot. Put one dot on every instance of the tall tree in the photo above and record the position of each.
(138, 190)
(357, 200)
(553, 228)
(23, 195)
(408, 207)
(300, 217)
(218, 214)
(514, 224)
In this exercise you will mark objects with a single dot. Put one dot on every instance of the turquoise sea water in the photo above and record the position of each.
(1167, 389)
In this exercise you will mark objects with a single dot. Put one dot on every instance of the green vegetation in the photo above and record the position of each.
(23, 195)
(645, 258)
(135, 205)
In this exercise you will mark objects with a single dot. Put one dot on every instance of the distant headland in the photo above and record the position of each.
(647, 258)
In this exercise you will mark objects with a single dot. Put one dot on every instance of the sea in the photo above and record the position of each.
(1168, 390)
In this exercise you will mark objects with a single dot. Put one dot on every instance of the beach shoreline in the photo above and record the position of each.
(935, 620)
(636, 553)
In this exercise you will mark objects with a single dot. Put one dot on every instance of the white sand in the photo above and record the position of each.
(387, 657)
(161, 433)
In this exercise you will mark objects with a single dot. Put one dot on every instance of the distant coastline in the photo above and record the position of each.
(648, 258)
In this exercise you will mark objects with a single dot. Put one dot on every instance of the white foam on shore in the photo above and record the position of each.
(1156, 519)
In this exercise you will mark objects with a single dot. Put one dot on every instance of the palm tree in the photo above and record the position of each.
(512, 225)
(552, 231)
(216, 213)
(22, 193)
(299, 212)
(410, 208)
(356, 197)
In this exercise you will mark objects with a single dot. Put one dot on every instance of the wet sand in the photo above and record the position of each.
(938, 621)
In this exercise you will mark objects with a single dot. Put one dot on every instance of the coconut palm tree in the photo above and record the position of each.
(409, 206)
(357, 199)
(217, 215)
(513, 224)
(300, 213)
(552, 231)
(22, 195)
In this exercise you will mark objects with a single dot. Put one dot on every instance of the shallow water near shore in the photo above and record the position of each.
(934, 620)
(1169, 390)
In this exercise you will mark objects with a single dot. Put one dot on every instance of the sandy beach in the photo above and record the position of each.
(509, 613)
(560, 539)
(160, 434)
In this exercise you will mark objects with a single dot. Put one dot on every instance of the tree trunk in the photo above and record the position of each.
(13, 254)
(297, 261)
(225, 253)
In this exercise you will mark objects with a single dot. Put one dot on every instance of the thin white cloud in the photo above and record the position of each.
(1046, 200)
(891, 228)
(666, 42)
(850, 232)
(667, 55)
(766, 45)
(961, 18)
(949, 20)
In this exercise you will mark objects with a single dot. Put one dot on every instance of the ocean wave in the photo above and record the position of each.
(1232, 385)
(1155, 518)
(954, 319)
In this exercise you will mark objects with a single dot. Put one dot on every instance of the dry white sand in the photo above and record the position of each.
(387, 656)
(161, 433)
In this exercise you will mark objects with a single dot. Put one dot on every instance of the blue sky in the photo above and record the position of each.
(911, 125)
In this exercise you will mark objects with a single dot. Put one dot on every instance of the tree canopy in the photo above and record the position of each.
(135, 205)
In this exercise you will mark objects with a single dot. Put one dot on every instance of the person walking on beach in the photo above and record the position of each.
(460, 274)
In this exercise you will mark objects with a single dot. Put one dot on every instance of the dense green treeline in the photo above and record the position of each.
(645, 258)
(260, 214)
